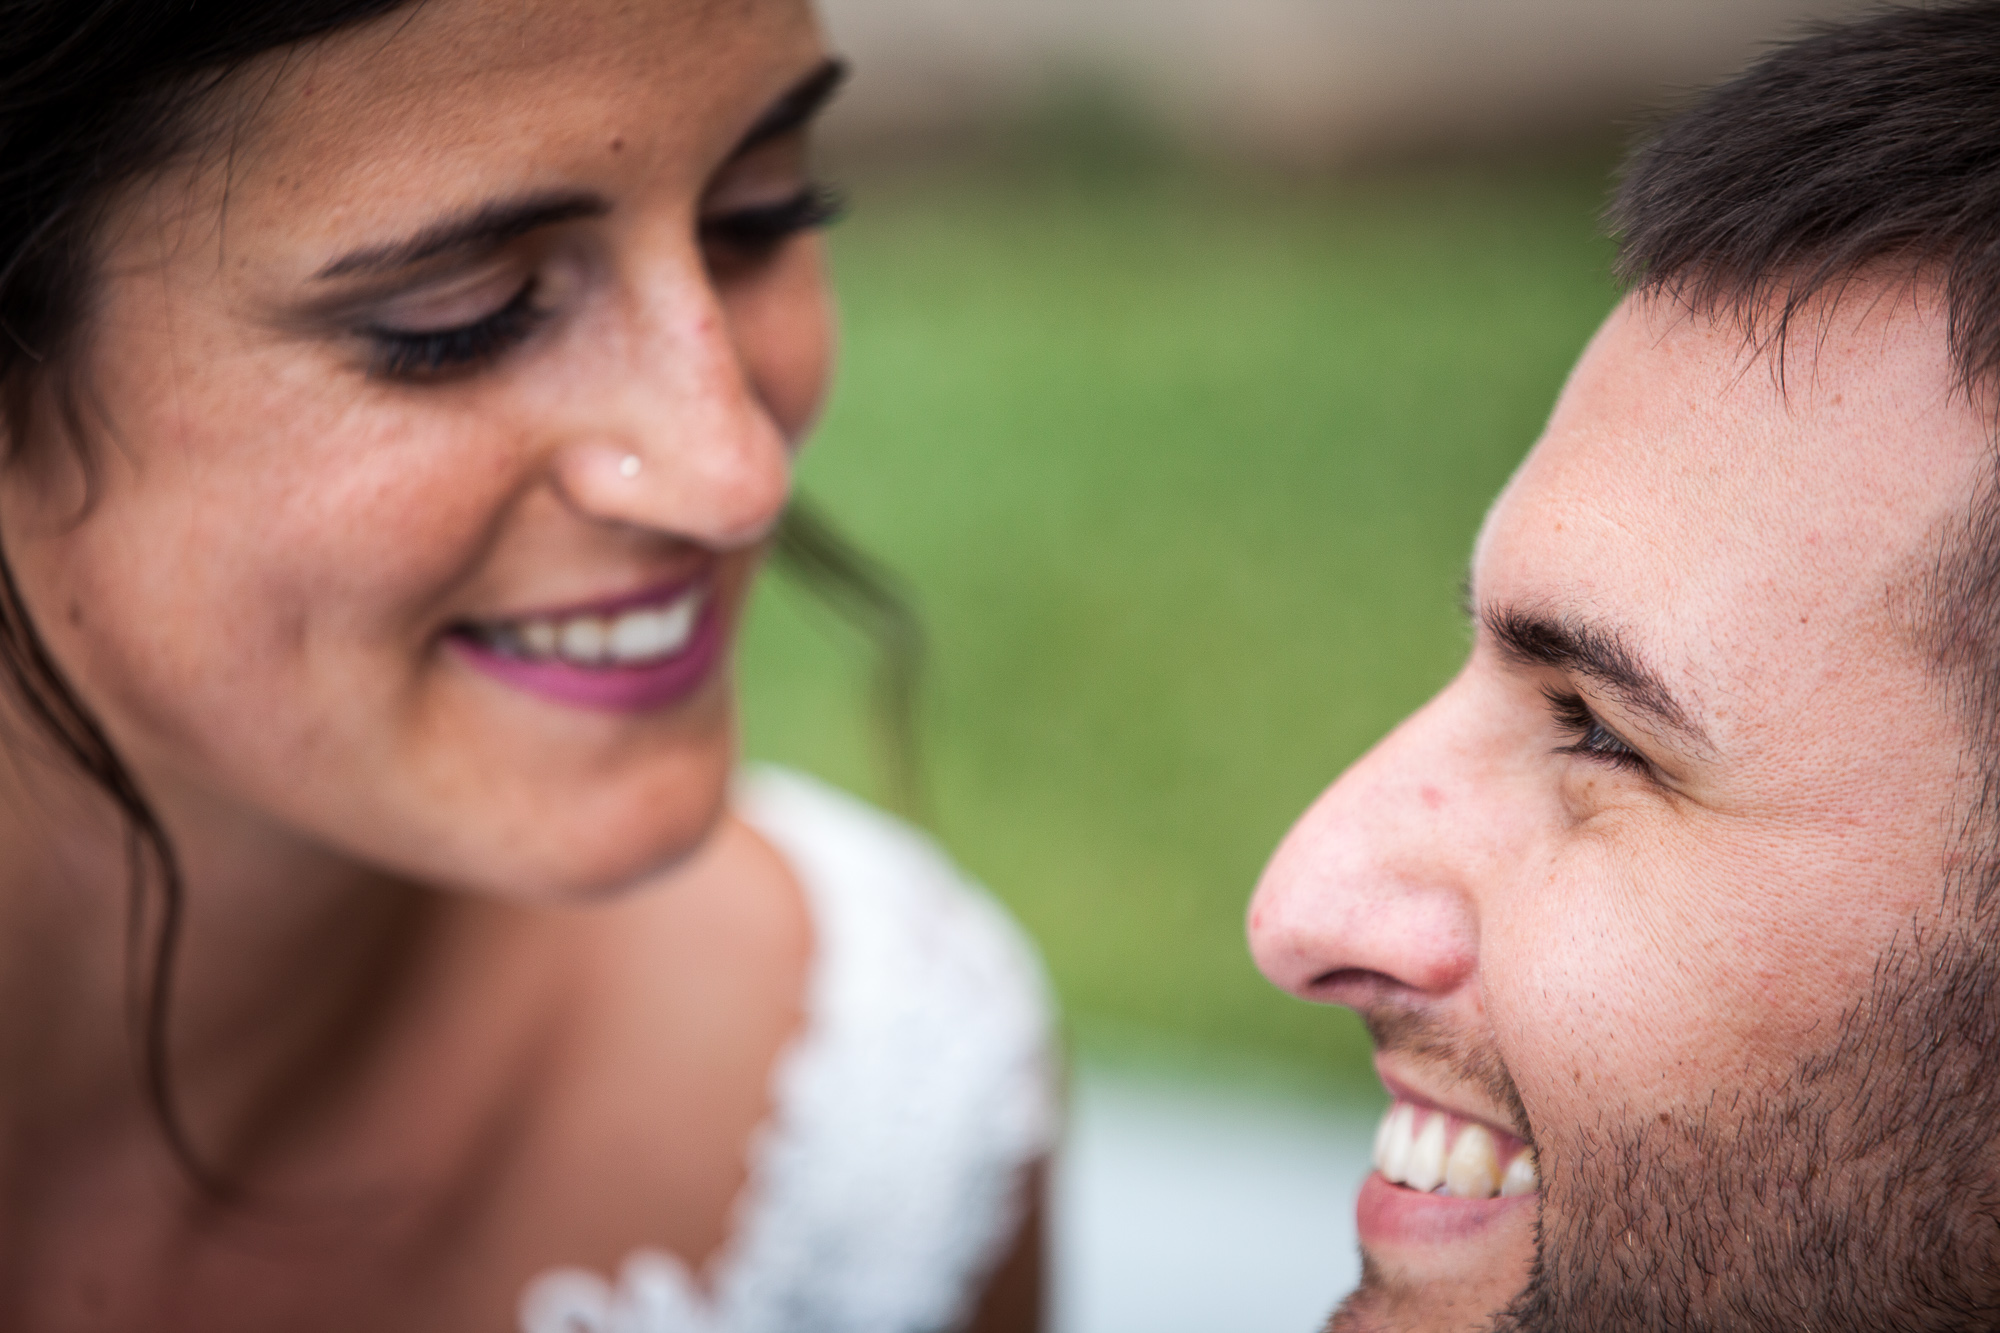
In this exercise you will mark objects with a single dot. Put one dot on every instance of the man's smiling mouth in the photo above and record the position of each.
(1430, 1151)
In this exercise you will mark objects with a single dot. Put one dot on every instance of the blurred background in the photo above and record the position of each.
(1185, 343)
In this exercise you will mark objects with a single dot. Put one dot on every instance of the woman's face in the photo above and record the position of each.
(439, 404)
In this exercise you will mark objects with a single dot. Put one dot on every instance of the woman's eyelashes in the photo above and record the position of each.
(760, 228)
(1591, 739)
(433, 354)
(739, 234)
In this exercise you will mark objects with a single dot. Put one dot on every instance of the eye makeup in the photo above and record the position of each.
(766, 226)
(429, 354)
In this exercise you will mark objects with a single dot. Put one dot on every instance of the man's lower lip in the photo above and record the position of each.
(1389, 1215)
(610, 689)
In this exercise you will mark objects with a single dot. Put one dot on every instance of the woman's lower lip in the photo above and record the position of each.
(1389, 1215)
(610, 689)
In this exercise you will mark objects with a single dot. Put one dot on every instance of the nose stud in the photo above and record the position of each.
(628, 466)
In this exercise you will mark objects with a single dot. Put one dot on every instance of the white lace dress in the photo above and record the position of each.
(886, 1181)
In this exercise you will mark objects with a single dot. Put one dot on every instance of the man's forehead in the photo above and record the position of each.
(1690, 491)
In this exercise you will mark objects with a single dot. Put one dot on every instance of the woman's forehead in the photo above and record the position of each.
(443, 106)
(426, 48)
(477, 69)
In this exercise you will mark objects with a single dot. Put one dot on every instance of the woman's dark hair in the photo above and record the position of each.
(95, 94)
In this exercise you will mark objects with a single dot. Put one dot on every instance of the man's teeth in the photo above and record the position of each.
(1425, 1171)
(1473, 1169)
(1417, 1148)
(1394, 1141)
(634, 638)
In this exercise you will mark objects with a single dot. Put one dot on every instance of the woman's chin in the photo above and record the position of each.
(576, 842)
(617, 867)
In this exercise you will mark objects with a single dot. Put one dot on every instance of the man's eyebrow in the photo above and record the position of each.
(807, 98)
(484, 227)
(1533, 639)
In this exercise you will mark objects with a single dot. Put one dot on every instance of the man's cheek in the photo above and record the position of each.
(1783, 938)
(1627, 998)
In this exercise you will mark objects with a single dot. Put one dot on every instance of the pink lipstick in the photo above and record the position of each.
(628, 654)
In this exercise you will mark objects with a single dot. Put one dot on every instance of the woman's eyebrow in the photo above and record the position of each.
(484, 227)
(807, 98)
(503, 220)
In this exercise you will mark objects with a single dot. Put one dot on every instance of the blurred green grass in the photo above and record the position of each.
(1184, 470)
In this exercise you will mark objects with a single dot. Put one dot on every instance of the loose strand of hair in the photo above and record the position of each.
(151, 862)
(868, 595)
(95, 96)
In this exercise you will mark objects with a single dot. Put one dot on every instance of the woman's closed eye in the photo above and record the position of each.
(439, 353)
(756, 229)
(1591, 739)
(423, 354)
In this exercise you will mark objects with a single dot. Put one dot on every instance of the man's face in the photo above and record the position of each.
(1655, 891)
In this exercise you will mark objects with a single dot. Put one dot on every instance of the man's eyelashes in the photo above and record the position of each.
(742, 235)
(1590, 738)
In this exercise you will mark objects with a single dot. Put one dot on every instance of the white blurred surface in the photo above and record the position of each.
(1185, 1207)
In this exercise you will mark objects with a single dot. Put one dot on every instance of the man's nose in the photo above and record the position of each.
(1370, 896)
(670, 432)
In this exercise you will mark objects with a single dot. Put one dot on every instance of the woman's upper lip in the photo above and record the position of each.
(1406, 1092)
(653, 594)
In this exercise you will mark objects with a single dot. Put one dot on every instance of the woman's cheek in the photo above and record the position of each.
(784, 328)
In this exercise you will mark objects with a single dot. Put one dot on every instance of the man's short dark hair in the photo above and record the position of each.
(1868, 143)
(1869, 147)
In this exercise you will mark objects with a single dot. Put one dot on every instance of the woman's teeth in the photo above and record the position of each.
(638, 637)
(1416, 1148)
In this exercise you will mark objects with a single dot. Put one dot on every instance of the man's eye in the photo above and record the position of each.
(754, 231)
(1592, 739)
(434, 354)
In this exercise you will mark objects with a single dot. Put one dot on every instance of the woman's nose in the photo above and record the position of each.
(1371, 892)
(672, 434)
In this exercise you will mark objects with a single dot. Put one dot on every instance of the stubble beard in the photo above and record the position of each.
(1860, 1196)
